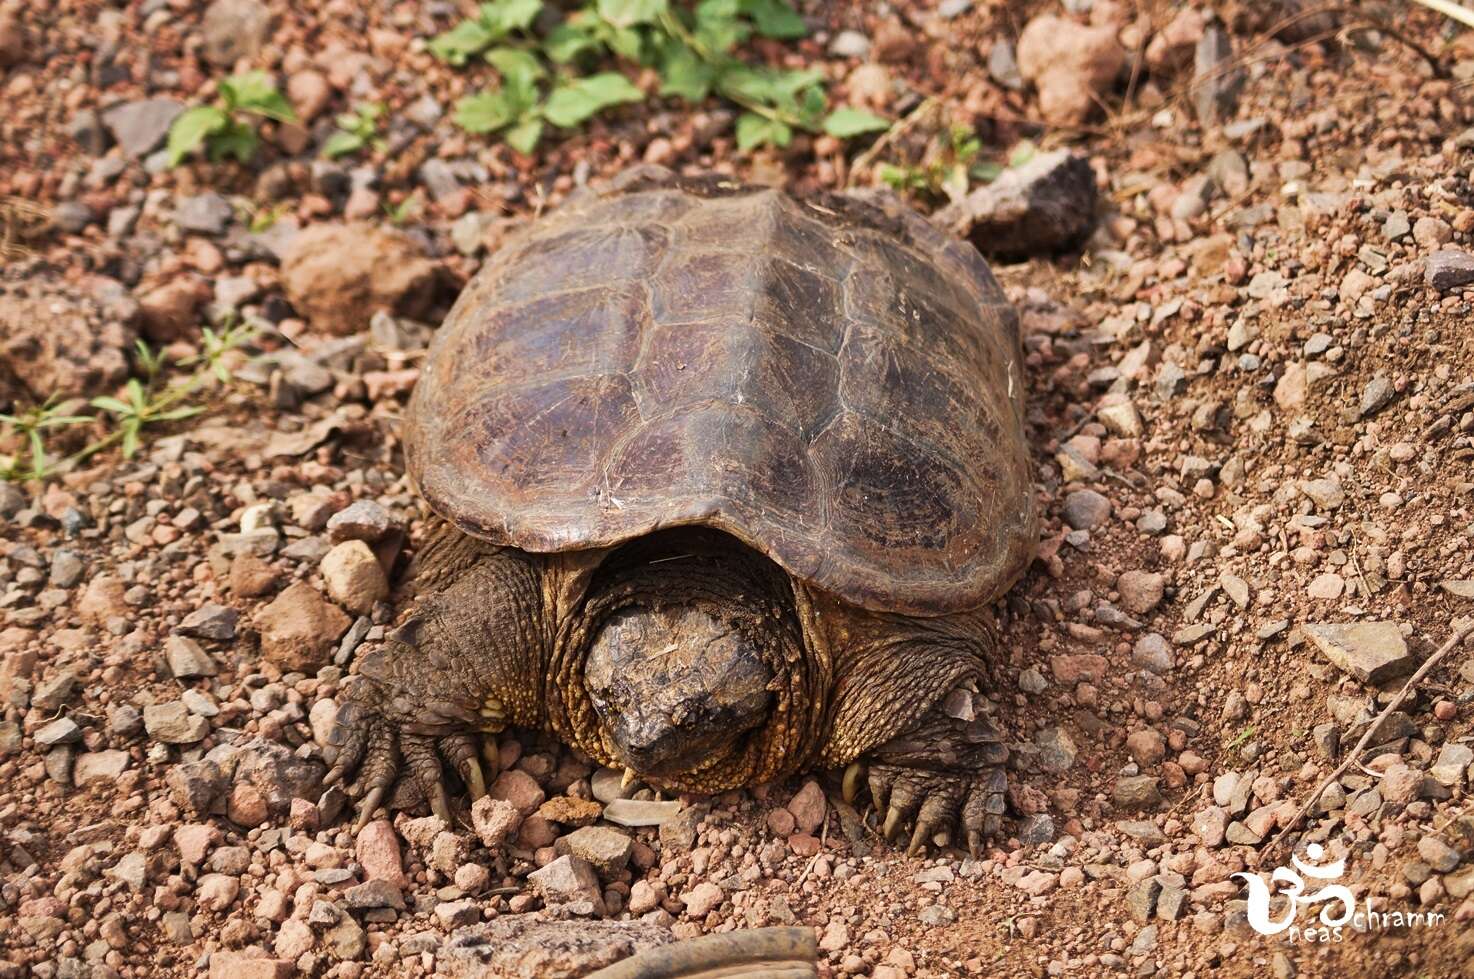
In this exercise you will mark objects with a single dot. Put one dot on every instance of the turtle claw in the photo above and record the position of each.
(937, 807)
(370, 803)
(853, 781)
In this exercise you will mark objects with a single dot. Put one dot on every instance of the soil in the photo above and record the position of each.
(1251, 397)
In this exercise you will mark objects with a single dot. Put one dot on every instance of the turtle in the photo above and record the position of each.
(723, 484)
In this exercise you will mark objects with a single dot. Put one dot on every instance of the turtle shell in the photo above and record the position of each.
(833, 381)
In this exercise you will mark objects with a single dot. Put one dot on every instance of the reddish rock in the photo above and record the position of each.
(494, 820)
(172, 311)
(520, 789)
(299, 628)
(339, 275)
(1071, 65)
(377, 850)
(808, 807)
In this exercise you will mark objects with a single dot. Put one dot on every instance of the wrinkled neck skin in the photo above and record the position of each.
(712, 572)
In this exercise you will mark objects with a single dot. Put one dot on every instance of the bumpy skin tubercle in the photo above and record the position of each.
(466, 660)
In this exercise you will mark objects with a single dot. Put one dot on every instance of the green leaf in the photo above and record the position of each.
(190, 129)
(520, 71)
(485, 112)
(718, 29)
(255, 91)
(130, 438)
(1022, 153)
(524, 136)
(342, 143)
(111, 404)
(774, 18)
(755, 130)
(578, 100)
(986, 172)
(845, 122)
(628, 43)
(685, 75)
(235, 139)
(628, 13)
(462, 41)
(568, 41)
(178, 413)
(502, 17)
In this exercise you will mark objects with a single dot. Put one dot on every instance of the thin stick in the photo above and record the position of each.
(1454, 640)
(1463, 15)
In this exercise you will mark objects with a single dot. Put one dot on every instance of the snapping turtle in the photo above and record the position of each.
(725, 481)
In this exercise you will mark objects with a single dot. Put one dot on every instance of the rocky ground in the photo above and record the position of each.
(1252, 398)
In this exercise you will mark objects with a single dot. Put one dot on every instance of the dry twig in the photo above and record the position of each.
(1460, 632)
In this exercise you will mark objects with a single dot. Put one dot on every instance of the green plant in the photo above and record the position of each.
(141, 408)
(950, 164)
(547, 79)
(1241, 738)
(405, 209)
(143, 403)
(224, 128)
(31, 426)
(357, 130)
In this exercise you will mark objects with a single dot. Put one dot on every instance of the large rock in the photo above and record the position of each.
(1373, 652)
(276, 773)
(1071, 65)
(140, 127)
(527, 946)
(57, 339)
(339, 275)
(234, 29)
(1043, 206)
(299, 629)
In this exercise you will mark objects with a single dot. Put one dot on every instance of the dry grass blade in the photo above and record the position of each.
(1451, 10)
(21, 222)
(1460, 632)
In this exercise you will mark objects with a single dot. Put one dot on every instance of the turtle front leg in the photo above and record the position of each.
(945, 772)
(464, 663)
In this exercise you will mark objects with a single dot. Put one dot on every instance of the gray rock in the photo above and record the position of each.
(1436, 852)
(1085, 509)
(54, 691)
(439, 178)
(140, 127)
(72, 216)
(172, 723)
(1373, 652)
(1378, 393)
(1136, 792)
(187, 659)
(234, 29)
(208, 213)
(1449, 268)
(567, 880)
(63, 730)
(66, 568)
(1003, 65)
(1046, 205)
(607, 850)
(363, 520)
(374, 894)
(1141, 899)
(1453, 763)
(210, 622)
(1396, 226)
(87, 129)
(1057, 752)
(1215, 91)
(1035, 829)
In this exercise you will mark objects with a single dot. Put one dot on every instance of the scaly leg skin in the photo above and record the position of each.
(463, 663)
(944, 773)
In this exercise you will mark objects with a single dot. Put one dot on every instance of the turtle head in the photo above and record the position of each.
(677, 687)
